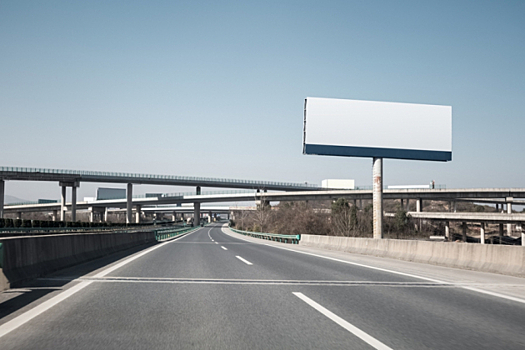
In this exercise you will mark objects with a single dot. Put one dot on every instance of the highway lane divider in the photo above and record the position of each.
(28, 257)
(292, 239)
(168, 233)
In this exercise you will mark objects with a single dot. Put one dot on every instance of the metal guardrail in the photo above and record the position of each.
(45, 231)
(293, 239)
(167, 233)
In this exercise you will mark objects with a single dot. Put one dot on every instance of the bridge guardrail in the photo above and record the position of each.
(293, 239)
(167, 233)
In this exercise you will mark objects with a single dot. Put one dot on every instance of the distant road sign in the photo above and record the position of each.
(352, 128)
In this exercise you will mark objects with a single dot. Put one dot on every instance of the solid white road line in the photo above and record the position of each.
(37, 310)
(346, 325)
(243, 260)
(224, 248)
(29, 315)
(494, 294)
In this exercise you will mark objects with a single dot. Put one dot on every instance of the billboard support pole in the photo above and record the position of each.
(377, 197)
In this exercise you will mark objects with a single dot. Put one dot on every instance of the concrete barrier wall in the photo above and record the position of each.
(509, 260)
(26, 258)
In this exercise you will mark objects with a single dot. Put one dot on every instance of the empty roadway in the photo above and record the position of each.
(212, 290)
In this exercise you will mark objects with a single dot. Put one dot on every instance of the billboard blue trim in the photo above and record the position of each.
(349, 151)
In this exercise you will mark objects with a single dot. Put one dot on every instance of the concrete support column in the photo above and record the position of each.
(501, 230)
(106, 212)
(447, 230)
(355, 202)
(464, 231)
(497, 207)
(210, 216)
(73, 204)
(450, 208)
(455, 206)
(377, 197)
(360, 204)
(129, 204)
(509, 211)
(63, 204)
(482, 233)
(198, 190)
(19, 215)
(174, 216)
(196, 214)
(419, 205)
(54, 215)
(2, 197)
(91, 214)
(402, 204)
(138, 214)
(408, 205)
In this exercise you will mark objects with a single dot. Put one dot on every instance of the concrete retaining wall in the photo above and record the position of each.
(26, 258)
(509, 260)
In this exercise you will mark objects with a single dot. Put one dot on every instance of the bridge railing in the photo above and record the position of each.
(167, 233)
(84, 173)
(293, 239)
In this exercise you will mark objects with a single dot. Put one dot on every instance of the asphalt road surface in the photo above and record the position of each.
(213, 290)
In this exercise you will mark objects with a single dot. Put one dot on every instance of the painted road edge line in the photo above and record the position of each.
(243, 260)
(376, 344)
(478, 290)
(29, 315)
(46, 305)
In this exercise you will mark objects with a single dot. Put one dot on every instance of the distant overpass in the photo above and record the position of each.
(495, 195)
(73, 178)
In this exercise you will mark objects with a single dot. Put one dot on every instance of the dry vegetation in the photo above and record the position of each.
(341, 218)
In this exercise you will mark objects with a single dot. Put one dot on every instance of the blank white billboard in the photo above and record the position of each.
(353, 128)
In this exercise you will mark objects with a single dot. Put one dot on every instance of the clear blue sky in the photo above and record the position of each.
(217, 88)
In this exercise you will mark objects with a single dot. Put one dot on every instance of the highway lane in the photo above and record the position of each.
(195, 292)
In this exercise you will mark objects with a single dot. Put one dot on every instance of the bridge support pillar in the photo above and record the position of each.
(419, 205)
(482, 233)
(174, 216)
(196, 214)
(402, 201)
(377, 197)
(129, 204)
(63, 204)
(19, 215)
(210, 216)
(91, 214)
(501, 230)
(138, 214)
(447, 230)
(464, 231)
(73, 204)
(106, 212)
(408, 205)
(54, 215)
(509, 211)
(2, 197)
(455, 206)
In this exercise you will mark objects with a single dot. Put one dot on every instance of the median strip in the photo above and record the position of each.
(39, 309)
